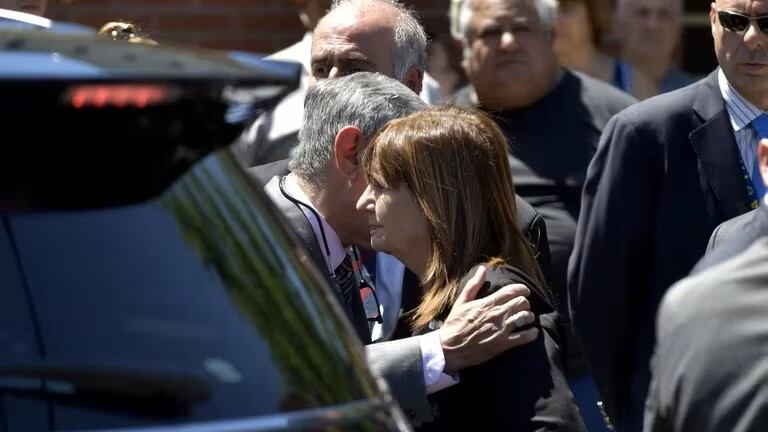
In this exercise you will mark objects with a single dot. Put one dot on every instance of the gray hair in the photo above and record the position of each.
(365, 100)
(410, 43)
(461, 14)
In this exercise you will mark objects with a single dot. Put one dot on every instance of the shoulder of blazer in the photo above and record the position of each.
(691, 105)
(296, 219)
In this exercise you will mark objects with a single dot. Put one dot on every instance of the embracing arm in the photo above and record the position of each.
(474, 332)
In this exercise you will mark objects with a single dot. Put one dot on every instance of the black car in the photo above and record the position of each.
(145, 283)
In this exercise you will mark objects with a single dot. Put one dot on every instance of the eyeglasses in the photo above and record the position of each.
(736, 22)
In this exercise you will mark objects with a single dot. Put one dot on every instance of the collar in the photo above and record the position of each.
(740, 111)
(338, 252)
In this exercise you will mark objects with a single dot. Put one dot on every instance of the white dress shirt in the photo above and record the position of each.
(389, 290)
(741, 113)
(432, 358)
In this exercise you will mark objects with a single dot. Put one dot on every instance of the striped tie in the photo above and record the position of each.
(345, 276)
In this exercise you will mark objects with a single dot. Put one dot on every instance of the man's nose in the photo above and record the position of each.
(507, 40)
(334, 72)
(753, 37)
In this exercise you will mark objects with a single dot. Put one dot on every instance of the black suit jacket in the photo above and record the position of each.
(666, 173)
(733, 236)
(709, 369)
(522, 390)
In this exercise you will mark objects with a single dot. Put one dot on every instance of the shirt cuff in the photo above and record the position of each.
(433, 364)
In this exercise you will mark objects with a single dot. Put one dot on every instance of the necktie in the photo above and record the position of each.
(345, 276)
(760, 124)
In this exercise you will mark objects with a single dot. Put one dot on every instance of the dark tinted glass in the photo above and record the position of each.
(737, 22)
(18, 342)
(200, 282)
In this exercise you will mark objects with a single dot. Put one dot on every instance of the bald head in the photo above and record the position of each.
(373, 36)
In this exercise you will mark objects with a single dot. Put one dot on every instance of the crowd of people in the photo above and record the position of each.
(537, 249)
(547, 172)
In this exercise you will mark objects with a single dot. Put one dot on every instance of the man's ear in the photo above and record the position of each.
(346, 150)
(762, 158)
(413, 79)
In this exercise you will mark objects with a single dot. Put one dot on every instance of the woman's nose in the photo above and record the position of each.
(365, 202)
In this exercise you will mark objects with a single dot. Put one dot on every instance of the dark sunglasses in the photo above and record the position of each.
(736, 22)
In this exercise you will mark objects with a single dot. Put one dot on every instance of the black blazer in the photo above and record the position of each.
(709, 369)
(733, 236)
(523, 389)
(666, 173)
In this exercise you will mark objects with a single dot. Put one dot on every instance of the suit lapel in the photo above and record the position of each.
(306, 235)
(716, 148)
(299, 224)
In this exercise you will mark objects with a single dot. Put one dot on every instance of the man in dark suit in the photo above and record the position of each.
(318, 199)
(667, 172)
(709, 370)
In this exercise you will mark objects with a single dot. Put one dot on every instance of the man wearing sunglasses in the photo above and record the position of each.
(667, 172)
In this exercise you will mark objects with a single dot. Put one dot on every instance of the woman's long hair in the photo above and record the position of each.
(454, 161)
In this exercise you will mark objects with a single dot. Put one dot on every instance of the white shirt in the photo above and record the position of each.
(432, 357)
(389, 290)
(741, 113)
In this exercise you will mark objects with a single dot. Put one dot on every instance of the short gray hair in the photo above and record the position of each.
(410, 43)
(365, 100)
(461, 14)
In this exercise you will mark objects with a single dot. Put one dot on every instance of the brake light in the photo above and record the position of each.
(117, 95)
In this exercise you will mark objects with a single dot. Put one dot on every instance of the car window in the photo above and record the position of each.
(199, 282)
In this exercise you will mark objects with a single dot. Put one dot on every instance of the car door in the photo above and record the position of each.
(19, 343)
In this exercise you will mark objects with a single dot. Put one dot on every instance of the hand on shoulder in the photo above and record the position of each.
(477, 330)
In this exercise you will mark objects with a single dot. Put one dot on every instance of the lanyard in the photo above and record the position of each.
(754, 202)
(365, 285)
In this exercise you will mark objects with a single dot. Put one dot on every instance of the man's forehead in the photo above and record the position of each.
(350, 34)
(758, 7)
(495, 9)
(339, 46)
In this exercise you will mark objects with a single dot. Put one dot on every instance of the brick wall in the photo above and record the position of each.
(252, 25)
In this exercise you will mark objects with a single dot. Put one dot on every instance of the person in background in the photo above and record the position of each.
(649, 33)
(580, 32)
(552, 118)
(272, 136)
(667, 172)
(440, 197)
(35, 7)
(444, 65)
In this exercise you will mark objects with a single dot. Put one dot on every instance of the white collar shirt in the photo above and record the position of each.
(740, 113)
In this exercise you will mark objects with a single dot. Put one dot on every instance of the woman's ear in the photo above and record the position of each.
(346, 151)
